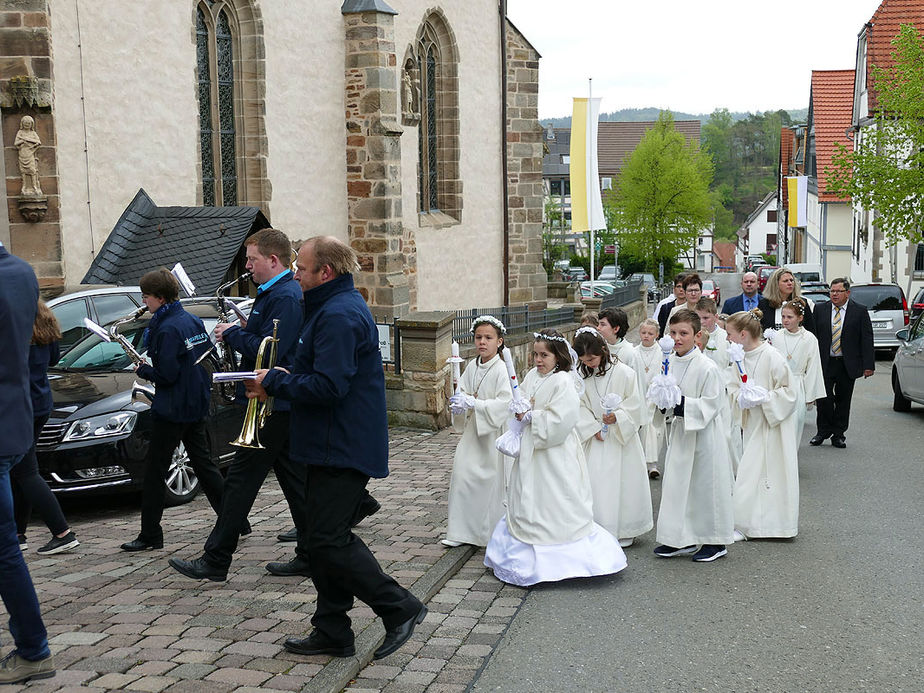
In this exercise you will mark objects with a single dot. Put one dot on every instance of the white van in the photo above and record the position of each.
(806, 272)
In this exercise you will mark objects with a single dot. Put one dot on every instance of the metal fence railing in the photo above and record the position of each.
(622, 295)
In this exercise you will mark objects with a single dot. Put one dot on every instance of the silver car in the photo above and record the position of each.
(908, 366)
(101, 304)
(888, 311)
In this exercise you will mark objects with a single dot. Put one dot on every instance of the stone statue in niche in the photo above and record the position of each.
(27, 142)
(410, 94)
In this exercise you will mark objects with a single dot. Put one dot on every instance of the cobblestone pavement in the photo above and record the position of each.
(130, 622)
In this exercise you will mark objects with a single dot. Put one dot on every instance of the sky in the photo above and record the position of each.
(687, 56)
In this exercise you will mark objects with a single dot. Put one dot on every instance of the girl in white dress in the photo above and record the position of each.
(549, 533)
(476, 489)
(612, 409)
(800, 347)
(653, 433)
(696, 492)
(767, 485)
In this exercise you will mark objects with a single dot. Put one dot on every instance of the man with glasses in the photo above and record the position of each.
(845, 344)
(692, 292)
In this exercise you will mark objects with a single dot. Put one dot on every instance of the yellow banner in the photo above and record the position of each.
(579, 166)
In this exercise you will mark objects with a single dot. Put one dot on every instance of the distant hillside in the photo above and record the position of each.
(635, 115)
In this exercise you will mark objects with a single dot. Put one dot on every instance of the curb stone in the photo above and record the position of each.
(339, 671)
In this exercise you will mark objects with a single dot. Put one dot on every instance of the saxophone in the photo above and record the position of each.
(120, 338)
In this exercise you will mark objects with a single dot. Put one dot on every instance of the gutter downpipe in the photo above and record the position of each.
(502, 11)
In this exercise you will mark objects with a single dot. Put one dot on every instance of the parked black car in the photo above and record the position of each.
(97, 436)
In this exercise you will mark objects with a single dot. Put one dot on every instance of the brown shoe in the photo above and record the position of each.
(15, 669)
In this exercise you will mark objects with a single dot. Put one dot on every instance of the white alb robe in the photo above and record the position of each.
(717, 347)
(654, 429)
(767, 485)
(476, 489)
(696, 491)
(548, 532)
(618, 475)
(801, 351)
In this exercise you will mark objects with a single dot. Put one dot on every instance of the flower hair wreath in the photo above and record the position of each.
(487, 320)
(539, 337)
(587, 329)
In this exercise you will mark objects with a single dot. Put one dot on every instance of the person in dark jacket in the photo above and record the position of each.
(782, 286)
(19, 292)
(174, 340)
(29, 488)
(340, 432)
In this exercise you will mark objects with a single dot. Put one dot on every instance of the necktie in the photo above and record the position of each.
(836, 333)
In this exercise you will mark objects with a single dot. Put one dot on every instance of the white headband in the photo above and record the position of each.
(587, 329)
(548, 338)
(489, 320)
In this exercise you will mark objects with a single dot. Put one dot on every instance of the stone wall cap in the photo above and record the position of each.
(426, 319)
(356, 6)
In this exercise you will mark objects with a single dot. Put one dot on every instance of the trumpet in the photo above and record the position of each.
(257, 411)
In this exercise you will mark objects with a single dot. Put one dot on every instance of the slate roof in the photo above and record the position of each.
(615, 142)
(832, 113)
(205, 239)
(882, 27)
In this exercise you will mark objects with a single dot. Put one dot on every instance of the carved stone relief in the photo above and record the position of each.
(410, 93)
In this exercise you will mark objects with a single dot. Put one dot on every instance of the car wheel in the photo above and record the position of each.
(900, 402)
(181, 481)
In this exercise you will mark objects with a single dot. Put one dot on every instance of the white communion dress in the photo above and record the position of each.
(801, 351)
(654, 428)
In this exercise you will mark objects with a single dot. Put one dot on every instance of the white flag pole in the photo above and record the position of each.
(589, 170)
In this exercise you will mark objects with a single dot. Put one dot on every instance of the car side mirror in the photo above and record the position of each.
(902, 335)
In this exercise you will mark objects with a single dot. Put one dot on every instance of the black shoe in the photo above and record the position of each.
(59, 544)
(710, 552)
(199, 569)
(318, 644)
(291, 535)
(246, 529)
(400, 634)
(23, 544)
(839, 441)
(297, 566)
(141, 544)
(369, 506)
(665, 551)
(819, 438)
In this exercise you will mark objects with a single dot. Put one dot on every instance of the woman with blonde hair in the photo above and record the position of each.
(29, 488)
(782, 286)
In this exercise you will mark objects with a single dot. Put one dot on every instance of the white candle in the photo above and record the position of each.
(512, 373)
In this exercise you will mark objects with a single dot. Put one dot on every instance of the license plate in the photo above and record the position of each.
(882, 324)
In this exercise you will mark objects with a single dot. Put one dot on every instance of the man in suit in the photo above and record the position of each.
(747, 299)
(31, 658)
(845, 344)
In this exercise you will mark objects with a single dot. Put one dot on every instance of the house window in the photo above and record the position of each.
(771, 215)
(606, 183)
(217, 137)
(439, 181)
(566, 159)
(919, 262)
(771, 241)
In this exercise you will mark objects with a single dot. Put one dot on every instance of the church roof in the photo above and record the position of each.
(205, 239)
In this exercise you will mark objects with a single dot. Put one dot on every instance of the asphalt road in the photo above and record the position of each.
(839, 608)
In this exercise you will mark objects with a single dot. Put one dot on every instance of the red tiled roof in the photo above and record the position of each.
(616, 141)
(884, 26)
(832, 111)
(725, 252)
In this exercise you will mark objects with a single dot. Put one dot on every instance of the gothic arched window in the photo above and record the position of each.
(215, 67)
(439, 181)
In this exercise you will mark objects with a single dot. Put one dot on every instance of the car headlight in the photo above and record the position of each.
(102, 426)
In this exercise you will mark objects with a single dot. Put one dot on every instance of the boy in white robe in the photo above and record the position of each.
(696, 492)
(480, 412)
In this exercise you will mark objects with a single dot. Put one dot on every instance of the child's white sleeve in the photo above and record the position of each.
(704, 406)
(782, 401)
(553, 424)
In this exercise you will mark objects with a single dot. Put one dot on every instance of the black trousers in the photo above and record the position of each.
(244, 478)
(342, 566)
(30, 490)
(834, 410)
(165, 436)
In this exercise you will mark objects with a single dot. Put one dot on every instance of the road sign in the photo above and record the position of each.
(609, 250)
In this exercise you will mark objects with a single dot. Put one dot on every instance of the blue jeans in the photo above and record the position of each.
(16, 586)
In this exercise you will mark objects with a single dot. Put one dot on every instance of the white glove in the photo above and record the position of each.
(519, 406)
(461, 402)
(526, 418)
(751, 395)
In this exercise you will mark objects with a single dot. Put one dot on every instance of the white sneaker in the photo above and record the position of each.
(626, 542)
(450, 543)
(739, 536)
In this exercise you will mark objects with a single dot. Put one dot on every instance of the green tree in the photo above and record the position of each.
(885, 172)
(662, 201)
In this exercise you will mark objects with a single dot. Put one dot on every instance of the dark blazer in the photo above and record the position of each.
(337, 385)
(19, 295)
(41, 358)
(735, 304)
(664, 315)
(808, 320)
(856, 338)
(282, 301)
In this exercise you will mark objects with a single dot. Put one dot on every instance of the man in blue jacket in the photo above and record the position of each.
(279, 297)
(340, 433)
(174, 339)
(31, 658)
